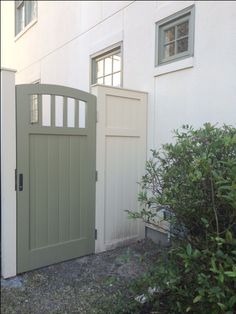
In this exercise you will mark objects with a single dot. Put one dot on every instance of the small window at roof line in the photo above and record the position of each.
(25, 12)
(106, 68)
(174, 37)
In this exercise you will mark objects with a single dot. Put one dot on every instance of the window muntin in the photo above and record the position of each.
(25, 12)
(107, 68)
(175, 37)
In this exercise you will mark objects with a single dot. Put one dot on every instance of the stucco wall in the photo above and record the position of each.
(206, 91)
(57, 50)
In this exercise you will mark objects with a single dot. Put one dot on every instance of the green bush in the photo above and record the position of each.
(195, 178)
(193, 281)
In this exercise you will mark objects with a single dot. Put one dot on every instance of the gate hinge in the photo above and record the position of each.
(15, 179)
(96, 234)
(96, 176)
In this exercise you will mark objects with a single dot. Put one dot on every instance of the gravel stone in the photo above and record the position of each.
(79, 285)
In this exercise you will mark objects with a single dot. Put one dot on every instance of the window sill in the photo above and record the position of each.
(25, 29)
(174, 66)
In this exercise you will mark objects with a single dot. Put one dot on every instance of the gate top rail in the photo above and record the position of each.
(57, 90)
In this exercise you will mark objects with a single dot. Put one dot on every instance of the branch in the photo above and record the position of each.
(214, 207)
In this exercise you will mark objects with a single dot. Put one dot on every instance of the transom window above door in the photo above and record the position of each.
(175, 37)
(107, 69)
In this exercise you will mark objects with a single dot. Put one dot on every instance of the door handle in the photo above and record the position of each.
(21, 182)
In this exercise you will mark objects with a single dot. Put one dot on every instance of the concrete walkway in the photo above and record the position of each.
(81, 285)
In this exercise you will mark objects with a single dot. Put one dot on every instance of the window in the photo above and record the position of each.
(25, 12)
(106, 68)
(175, 37)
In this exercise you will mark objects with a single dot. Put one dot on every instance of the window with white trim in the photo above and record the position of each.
(25, 12)
(107, 68)
(174, 36)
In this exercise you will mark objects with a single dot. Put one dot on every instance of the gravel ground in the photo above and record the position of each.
(80, 285)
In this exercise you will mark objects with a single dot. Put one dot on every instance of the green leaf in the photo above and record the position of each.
(198, 174)
(205, 221)
(197, 299)
(188, 309)
(189, 249)
(222, 306)
(196, 253)
(178, 305)
(230, 273)
(228, 236)
(232, 301)
(221, 277)
(213, 263)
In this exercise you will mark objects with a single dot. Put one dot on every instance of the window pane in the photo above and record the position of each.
(100, 68)
(169, 34)
(30, 11)
(182, 45)
(100, 80)
(19, 19)
(116, 63)
(18, 3)
(116, 79)
(34, 9)
(107, 80)
(182, 29)
(169, 50)
(108, 65)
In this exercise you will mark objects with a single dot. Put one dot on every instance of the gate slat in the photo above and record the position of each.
(76, 113)
(40, 110)
(52, 110)
(64, 112)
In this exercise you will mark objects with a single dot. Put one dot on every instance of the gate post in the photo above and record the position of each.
(8, 166)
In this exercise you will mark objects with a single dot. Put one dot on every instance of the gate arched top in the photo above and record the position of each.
(57, 90)
(56, 106)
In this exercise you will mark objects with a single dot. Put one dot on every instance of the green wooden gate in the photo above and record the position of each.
(55, 176)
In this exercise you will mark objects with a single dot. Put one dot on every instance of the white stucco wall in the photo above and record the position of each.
(57, 50)
(206, 91)
(7, 34)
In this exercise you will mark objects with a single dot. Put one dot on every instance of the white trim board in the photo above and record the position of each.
(8, 165)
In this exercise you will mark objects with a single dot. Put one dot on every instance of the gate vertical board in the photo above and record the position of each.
(56, 168)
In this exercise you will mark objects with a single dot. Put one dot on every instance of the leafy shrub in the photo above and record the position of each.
(192, 281)
(195, 178)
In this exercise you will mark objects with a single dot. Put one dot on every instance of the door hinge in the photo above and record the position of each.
(96, 176)
(96, 234)
(15, 179)
(97, 116)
